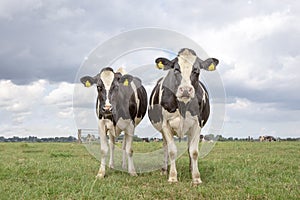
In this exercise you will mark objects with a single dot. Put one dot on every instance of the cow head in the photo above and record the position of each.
(184, 70)
(107, 82)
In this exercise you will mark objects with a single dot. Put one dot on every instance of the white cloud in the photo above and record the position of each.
(36, 108)
(20, 98)
(236, 39)
(61, 95)
(245, 109)
(60, 100)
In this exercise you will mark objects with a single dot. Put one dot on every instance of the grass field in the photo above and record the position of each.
(233, 170)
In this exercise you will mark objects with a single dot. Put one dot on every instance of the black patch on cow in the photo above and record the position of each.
(142, 96)
(169, 101)
(155, 112)
(170, 85)
(203, 106)
(155, 91)
(99, 115)
(132, 107)
(101, 98)
(182, 107)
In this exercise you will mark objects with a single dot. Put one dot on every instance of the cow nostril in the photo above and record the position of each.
(107, 108)
(190, 90)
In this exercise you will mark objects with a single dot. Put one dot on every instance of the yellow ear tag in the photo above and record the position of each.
(87, 84)
(211, 67)
(160, 65)
(125, 82)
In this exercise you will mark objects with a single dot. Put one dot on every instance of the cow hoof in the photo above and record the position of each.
(100, 176)
(173, 180)
(196, 181)
(111, 166)
(163, 172)
(133, 174)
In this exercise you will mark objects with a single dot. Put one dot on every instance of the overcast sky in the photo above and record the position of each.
(44, 43)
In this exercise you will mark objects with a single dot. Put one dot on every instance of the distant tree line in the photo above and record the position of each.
(135, 138)
(36, 139)
(250, 139)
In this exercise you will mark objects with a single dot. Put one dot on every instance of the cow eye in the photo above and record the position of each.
(177, 70)
(114, 86)
(99, 87)
(196, 70)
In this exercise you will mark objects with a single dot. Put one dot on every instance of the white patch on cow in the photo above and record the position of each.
(98, 108)
(160, 90)
(157, 126)
(107, 78)
(204, 94)
(137, 100)
(186, 61)
(108, 125)
(124, 123)
(179, 124)
(152, 100)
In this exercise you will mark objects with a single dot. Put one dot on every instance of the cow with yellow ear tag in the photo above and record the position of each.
(179, 105)
(120, 106)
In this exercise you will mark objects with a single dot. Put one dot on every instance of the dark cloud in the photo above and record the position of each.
(49, 40)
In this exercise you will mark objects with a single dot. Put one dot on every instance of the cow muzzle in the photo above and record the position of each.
(185, 92)
(107, 108)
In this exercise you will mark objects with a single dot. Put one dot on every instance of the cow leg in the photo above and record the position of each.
(190, 160)
(111, 150)
(104, 149)
(193, 152)
(124, 152)
(172, 150)
(164, 169)
(129, 151)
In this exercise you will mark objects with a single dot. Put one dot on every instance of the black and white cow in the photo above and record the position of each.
(179, 105)
(121, 105)
(267, 138)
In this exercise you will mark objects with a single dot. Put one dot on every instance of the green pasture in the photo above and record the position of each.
(232, 170)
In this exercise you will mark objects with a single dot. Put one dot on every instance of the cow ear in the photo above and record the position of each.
(209, 64)
(88, 81)
(118, 76)
(164, 63)
(137, 82)
(126, 79)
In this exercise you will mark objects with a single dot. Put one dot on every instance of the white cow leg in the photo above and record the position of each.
(172, 150)
(193, 151)
(104, 150)
(164, 169)
(111, 150)
(129, 151)
(124, 153)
